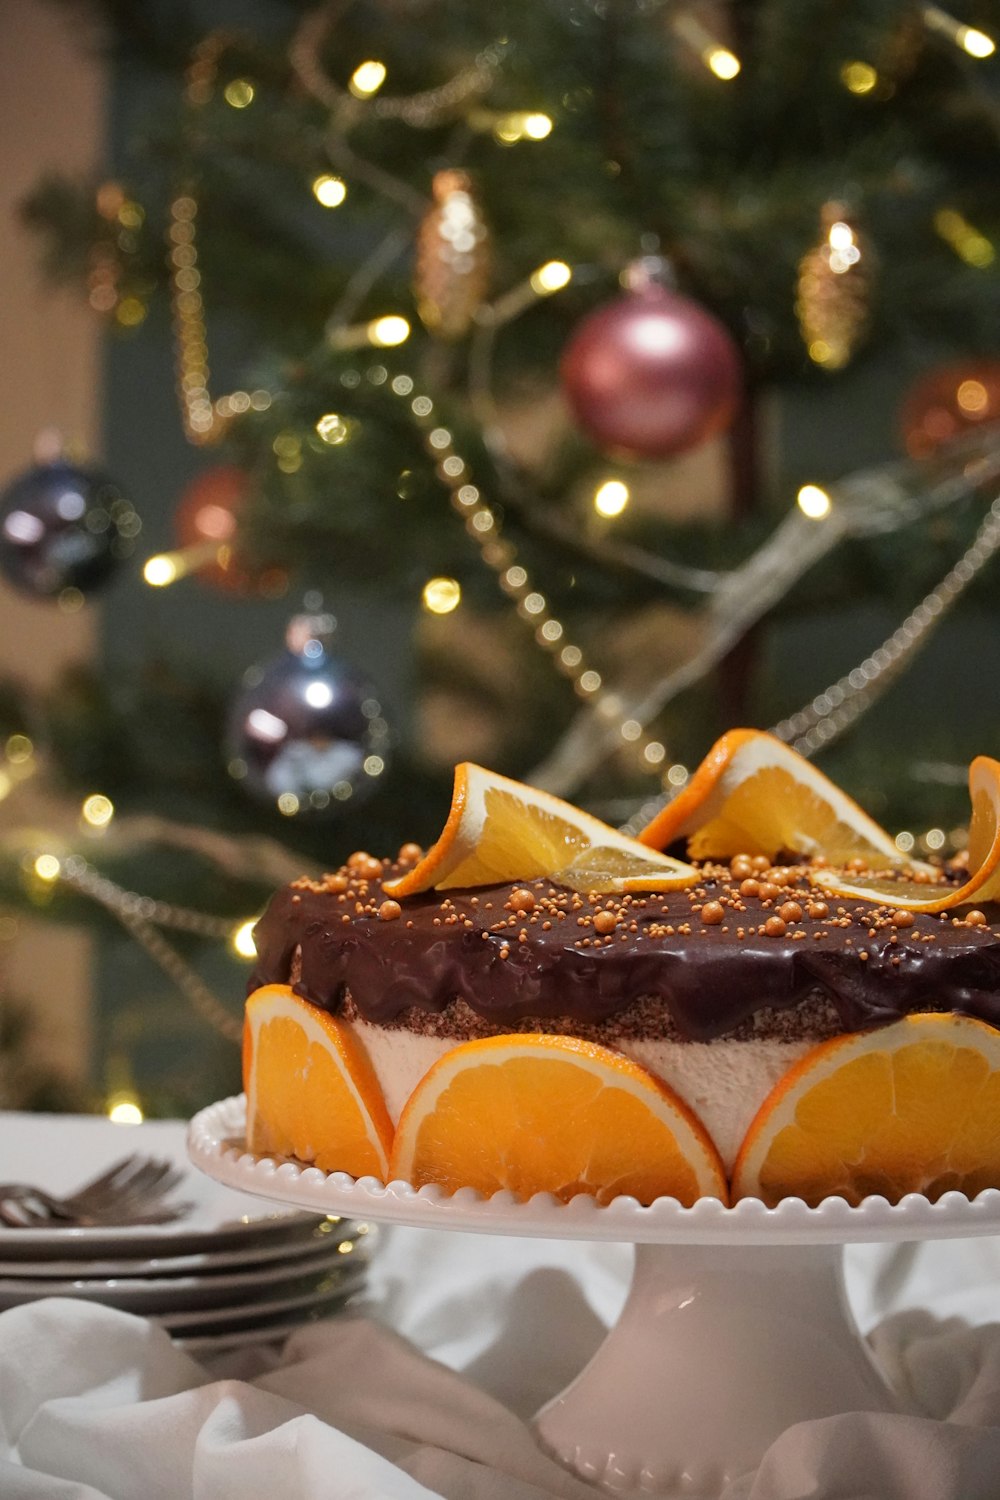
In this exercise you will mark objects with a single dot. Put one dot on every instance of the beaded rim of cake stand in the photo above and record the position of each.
(216, 1145)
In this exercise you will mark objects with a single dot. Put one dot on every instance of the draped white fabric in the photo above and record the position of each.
(427, 1389)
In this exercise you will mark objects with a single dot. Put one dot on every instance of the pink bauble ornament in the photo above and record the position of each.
(651, 374)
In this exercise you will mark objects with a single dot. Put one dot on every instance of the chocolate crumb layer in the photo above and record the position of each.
(532, 956)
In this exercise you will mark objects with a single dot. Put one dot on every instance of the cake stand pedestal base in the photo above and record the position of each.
(719, 1349)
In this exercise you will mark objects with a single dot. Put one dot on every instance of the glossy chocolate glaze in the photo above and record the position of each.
(508, 966)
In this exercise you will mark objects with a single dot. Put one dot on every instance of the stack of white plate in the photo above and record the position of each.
(234, 1270)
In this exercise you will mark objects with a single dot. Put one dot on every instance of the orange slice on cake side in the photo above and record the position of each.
(537, 1113)
(753, 794)
(311, 1091)
(911, 1108)
(983, 883)
(499, 830)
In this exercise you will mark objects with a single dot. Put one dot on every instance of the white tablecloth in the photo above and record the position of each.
(427, 1391)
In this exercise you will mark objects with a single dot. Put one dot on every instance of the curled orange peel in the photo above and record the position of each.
(753, 794)
(499, 830)
(983, 883)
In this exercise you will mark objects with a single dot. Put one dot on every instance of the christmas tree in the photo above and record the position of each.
(634, 362)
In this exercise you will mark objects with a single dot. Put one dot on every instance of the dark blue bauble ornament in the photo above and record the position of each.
(64, 527)
(306, 732)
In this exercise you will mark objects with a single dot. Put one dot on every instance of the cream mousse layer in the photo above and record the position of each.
(723, 1082)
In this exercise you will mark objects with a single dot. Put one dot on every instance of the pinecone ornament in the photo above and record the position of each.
(453, 258)
(833, 300)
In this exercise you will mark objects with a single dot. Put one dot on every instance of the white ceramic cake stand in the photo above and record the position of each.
(736, 1325)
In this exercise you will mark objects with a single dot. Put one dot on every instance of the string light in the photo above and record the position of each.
(521, 126)
(47, 867)
(239, 94)
(859, 77)
(387, 332)
(966, 241)
(19, 749)
(441, 595)
(124, 1109)
(718, 59)
(611, 498)
(333, 429)
(552, 277)
(242, 942)
(166, 568)
(367, 79)
(814, 502)
(330, 191)
(97, 810)
(972, 41)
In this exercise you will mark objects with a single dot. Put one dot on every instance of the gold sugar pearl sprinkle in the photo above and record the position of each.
(790, 911)
(521, 900)
(712, 913)
(605, 922)
(775, 927)
(389, 911)
(750, 887)
(409, 854)
(976, 918)
(817, 910)
(905, 918)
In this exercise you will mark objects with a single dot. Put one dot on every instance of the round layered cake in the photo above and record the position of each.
(719, 989)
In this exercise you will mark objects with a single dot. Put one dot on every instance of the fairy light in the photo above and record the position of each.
(964, 238)
(367, 79)
(814, 502)
(969, 39)
(859, 77)
(441, 595)
(611, 498)
(552, 277)
(333, 429)
(124, 1109)
(522, 126)
(387, 332)
(97, 810)
(844, 251)
(239, 94)
(678, 775)
(905, 842)
(720, 61)
(241, 941)
(329, 191)
(161, 570)
(934, 838)
(19, 749)
(47, 867)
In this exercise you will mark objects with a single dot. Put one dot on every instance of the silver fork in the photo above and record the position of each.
(129, 1192)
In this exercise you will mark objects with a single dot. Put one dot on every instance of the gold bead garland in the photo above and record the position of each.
(500, 556)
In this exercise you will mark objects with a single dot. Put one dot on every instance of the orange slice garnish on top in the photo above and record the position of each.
(911, 1108)
(535, 1113)
(500, 830)
(983, 883)
(311, 1091)
(753, 794)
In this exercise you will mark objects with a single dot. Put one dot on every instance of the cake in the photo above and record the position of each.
(720, 988)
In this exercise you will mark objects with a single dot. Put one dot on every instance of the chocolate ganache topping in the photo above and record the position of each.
(713, 955)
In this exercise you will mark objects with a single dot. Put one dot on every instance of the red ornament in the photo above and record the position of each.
(651, 374)
(206, 523)
(948, 402)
